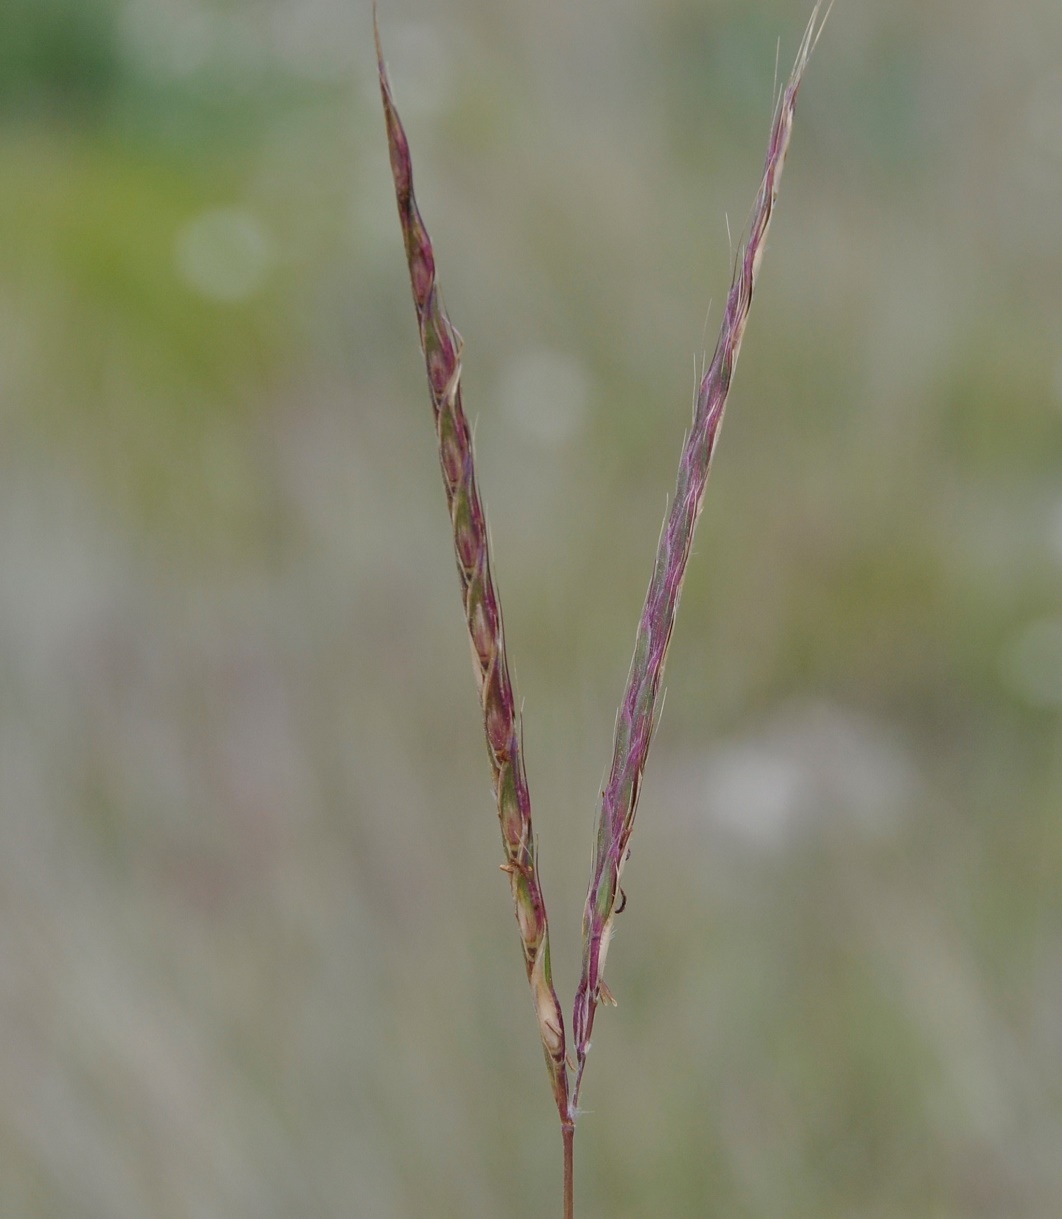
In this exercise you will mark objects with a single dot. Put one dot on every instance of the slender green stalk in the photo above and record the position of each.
(442, 347)
(637, 713)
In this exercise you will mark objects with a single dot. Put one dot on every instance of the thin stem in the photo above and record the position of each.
(568, 1134)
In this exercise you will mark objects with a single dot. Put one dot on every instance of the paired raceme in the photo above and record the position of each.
(635, 722)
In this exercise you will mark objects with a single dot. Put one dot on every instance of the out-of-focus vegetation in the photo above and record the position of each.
(255, 955)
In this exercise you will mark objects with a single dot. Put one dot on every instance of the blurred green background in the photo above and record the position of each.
(256, 958)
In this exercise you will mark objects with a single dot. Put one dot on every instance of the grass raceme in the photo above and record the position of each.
(443, 349)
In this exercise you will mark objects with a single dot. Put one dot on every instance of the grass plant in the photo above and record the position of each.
(636, 720)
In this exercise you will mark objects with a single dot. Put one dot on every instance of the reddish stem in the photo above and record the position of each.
(568, 1134)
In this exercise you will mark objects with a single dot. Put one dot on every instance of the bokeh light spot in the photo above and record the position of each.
(1031, 663)
(224, 254)
(545, 393)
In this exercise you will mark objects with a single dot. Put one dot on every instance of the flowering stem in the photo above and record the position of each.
(635, 723)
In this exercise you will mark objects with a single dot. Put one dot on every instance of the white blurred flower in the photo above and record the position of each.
(808, 763)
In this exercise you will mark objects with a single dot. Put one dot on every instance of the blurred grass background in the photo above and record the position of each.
(255, 955)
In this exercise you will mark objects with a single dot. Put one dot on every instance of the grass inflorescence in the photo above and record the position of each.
(442, 347)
